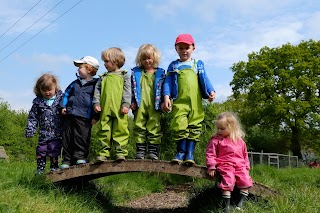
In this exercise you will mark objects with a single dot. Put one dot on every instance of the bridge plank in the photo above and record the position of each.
(92, 171)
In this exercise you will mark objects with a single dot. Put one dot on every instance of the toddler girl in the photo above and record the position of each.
(45, 114)
(227, 154)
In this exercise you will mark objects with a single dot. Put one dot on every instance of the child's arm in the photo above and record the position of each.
(205, 84)
(96, 96)
(32, 123)
(245, 156)
(126, 96)
(211, 155)
(65, 98)
(166, 106)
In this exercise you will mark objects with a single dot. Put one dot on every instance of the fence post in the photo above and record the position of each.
(261, 157)
(289, 158)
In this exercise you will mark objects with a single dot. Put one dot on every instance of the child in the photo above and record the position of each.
(45, 114)
(186, 83)
(79, 115)
(147, 80)
(112, 98)
(227, 154)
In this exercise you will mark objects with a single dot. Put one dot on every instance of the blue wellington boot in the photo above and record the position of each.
(181, 151)
(189, 153)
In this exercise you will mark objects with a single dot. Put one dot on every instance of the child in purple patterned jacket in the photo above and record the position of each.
(45, 114)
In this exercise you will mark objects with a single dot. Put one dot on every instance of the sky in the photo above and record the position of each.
(40, 36)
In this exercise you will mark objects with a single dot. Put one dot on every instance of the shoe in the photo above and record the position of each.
(181, 152)
(81, 162)
(189, 158)
(64, 166)
(53, 169)
(153, 151)
(120, 158)
(102, 158)
(141, 150)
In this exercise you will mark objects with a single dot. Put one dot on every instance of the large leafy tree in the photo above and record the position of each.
(281, 89)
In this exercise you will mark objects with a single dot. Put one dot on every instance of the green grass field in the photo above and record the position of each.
(22, 191)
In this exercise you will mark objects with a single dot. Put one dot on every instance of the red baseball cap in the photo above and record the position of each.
(184, 38)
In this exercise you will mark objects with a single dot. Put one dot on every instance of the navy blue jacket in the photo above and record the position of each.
(77, 99)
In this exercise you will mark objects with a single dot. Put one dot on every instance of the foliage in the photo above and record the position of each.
(279, 89)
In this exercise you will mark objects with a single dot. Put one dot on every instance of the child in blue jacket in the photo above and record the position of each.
(186, 84)
(79, 115)
(147, 81)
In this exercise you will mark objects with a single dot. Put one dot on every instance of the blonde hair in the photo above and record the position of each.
(45, 82)
(232, 124)
(115, 55)
(148, 50)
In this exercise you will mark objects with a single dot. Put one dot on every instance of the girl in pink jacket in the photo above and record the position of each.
(227, 154)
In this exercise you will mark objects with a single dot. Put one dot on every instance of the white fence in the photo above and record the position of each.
(273, 159)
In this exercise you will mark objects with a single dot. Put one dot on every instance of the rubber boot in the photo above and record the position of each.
(54, 164)
(242, 198)
(181, 151)
(153, 151)
(141, 150)
(189, 160)
(226, 204)
(41, 165)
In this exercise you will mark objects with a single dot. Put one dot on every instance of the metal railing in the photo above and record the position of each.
(273, 159)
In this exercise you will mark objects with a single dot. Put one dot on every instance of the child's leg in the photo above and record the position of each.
(140, 133)
(154, 135)
(41, 164)
(120, 135)
(54, 150)
(181, 151)
(104, 136)
(243, 182)
(67, 142)
(226, 196)
(82, 139)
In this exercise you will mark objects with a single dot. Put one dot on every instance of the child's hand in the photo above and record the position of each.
(97, 109)
(124, 110)
(94, 121)
(166, 106)
(64, 111)
(133, 106)
(211, 173)
(212, 96)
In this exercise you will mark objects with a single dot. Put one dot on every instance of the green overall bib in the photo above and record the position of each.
(187, 108)
(146, 119)
(114, 124)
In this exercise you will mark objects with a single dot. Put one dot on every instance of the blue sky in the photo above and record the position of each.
(225, 32)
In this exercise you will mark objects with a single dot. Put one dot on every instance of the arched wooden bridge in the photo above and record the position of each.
(92, 171)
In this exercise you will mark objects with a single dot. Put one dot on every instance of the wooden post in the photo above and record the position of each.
(289, 158)
(261, 157)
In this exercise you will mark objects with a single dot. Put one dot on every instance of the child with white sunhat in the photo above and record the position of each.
(79, 114)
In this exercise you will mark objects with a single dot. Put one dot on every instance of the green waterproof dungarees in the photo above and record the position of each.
(114, 124)
(147, 127)
(187, 108)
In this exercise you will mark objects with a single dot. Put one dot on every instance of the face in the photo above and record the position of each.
(184, 51)
(48, 93)
(222, 129)
(111, 67)
(147, 63)
(83, 72)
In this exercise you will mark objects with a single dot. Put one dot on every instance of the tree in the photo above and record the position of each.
(281, 86)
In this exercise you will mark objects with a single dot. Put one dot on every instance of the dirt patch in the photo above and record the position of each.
(173, 199)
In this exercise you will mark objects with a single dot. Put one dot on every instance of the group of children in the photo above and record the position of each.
(65, 119)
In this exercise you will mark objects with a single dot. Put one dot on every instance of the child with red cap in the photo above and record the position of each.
(186, 84)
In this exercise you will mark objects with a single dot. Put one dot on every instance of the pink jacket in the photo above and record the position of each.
(224, 151)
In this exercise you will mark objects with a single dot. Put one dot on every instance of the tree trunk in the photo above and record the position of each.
(295, 144)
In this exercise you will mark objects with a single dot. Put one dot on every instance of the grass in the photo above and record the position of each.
(23, 191)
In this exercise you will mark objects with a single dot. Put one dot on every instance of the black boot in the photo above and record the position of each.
(54, 164)
(153, 151)
(41, 164)
(242, 198)
(141, 150)
(226, 203)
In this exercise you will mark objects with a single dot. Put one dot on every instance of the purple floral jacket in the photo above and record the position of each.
(47, 118)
